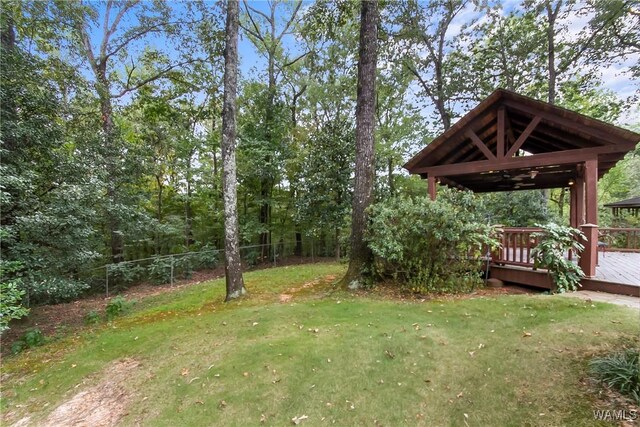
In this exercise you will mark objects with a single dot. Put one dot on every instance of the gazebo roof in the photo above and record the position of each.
(634, 202)
(512, 142)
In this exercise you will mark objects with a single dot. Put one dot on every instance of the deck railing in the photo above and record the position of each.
(620, 239)
(518, 242)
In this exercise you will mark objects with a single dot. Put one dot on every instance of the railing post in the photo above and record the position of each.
(589, 256)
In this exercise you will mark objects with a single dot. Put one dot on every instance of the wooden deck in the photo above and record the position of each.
(616, 272)
(619, 267)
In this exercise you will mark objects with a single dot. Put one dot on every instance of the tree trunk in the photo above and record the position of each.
(188, 212)
(109, 135)
(159, 213)
(551, 49)
(232, 261)
(392, 189)
(365, 127)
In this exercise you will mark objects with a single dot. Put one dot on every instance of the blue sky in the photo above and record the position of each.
(252, 64)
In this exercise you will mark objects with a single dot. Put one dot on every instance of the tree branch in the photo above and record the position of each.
(155, 77)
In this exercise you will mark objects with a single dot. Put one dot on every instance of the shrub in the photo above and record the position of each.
(426, 245)
(31, 338)
(160, 270)
(620, 371)
(206, 258)
(553, 242)
(11, 303)
(92, 318)
(124, 274)
(117, 307)
(54, 290)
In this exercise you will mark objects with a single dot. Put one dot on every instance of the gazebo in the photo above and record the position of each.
(630, 205)
(512, 142)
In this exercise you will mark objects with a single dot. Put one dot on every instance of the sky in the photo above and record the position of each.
(252, 64)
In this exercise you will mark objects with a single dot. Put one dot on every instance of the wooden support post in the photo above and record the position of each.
(589, 257)
(573, 201)
(591, 191)
(501, 132)
(579, 201)
(431, 184)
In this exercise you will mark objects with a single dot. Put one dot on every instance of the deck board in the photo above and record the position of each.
(619, 267)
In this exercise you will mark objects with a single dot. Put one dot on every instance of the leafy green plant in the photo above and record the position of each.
(620, 371)
(124, 274)
(11, 303)
(117, 307)
(427, 246)
(160, 270)
(553, 243)
(92, 318)
(31, 338)
(54, 290)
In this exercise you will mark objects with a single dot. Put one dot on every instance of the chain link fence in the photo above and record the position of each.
(163, 269)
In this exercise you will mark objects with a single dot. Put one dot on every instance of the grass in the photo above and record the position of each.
(334, 357)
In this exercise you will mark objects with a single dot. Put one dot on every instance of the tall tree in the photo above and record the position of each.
(365, 129)
(118, 36)
(426, 39)
(232, 261)
(267, 35)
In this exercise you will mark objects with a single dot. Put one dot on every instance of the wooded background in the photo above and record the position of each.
(111, 118)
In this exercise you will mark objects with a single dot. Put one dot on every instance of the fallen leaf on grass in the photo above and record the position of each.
(222, 404)
(263, 418)
(298, 420)
(184, 372)
(526, 334)
(459, 395)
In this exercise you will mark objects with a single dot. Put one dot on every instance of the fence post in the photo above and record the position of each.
(171, 270)
(106, 269)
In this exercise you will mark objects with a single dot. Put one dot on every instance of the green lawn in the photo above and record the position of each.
(332, 356)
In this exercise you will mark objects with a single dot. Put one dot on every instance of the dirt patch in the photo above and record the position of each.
(101, 405)
(289, 293)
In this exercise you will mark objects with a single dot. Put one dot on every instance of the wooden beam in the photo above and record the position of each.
(579, 200)
(585, 128)
(431, 184)
(523, 137)
(501, 131)
(481, 145)
(591, 191)
(544, 159)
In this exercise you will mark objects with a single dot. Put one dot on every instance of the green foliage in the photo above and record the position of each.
(553, 243)
(92, 318)
(11, 303)
(117, 307)
(515, 208)
(124, 274)
(31, 338)
(620, 371)
(159, 271)
(428, 246)
(54, 290)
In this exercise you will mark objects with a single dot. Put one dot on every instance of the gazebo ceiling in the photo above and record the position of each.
(512, 142)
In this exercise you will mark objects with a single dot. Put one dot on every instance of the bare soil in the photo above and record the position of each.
(101, 405)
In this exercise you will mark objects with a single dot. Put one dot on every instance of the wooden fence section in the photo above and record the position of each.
(620, 239)
(517, 243)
